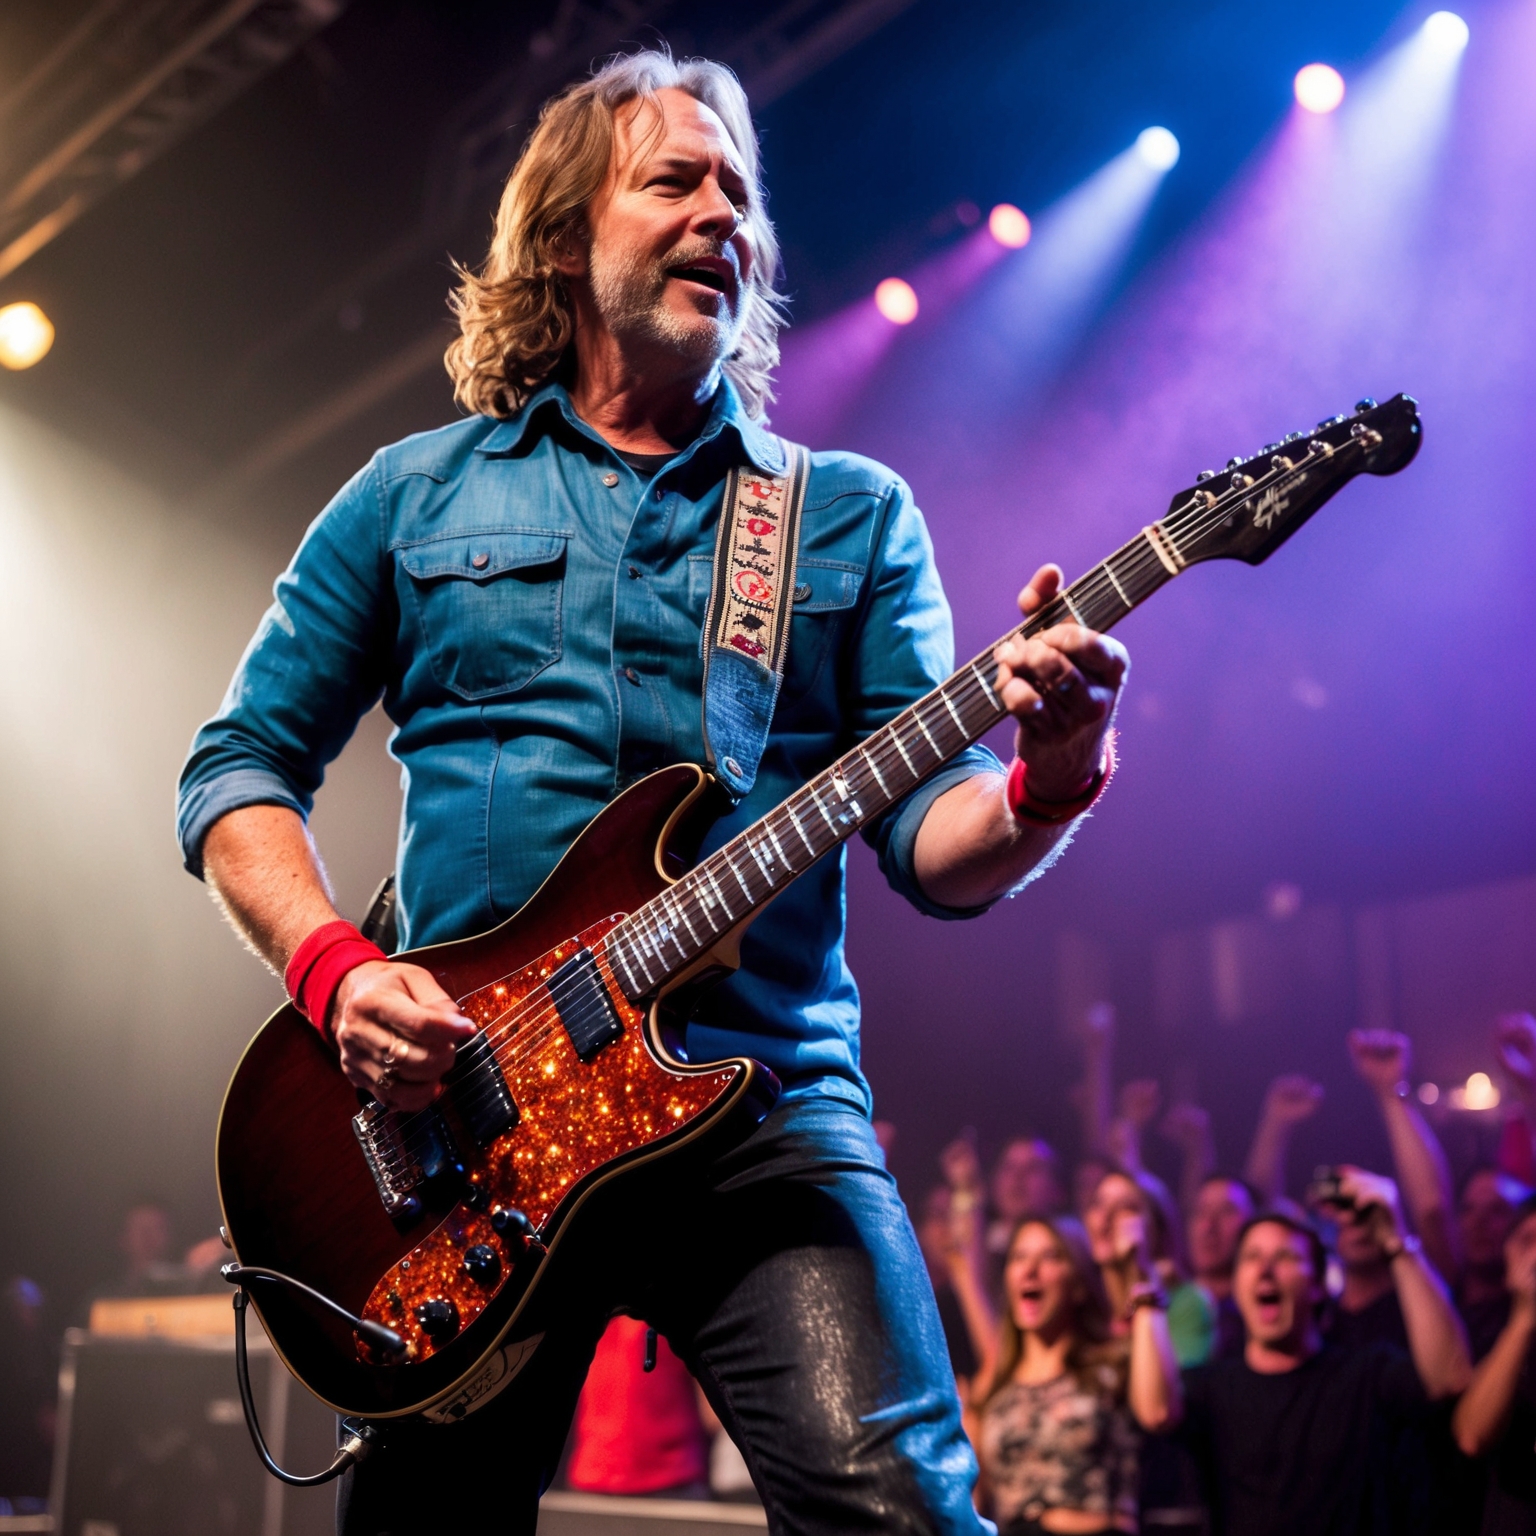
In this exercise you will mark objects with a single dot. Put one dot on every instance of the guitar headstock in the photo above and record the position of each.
(1249, 509)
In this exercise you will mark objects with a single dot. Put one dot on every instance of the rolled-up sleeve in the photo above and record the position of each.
(905, 646)
(314, 667)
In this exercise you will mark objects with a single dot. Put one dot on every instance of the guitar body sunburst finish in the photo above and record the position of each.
(298, 1194)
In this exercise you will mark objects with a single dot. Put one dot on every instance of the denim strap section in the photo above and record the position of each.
(754, 583)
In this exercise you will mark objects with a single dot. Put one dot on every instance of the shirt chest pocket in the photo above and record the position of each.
(489, 606)
(825, 593)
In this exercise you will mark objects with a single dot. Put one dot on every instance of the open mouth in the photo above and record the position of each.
(1267, 1299)
(715, 274)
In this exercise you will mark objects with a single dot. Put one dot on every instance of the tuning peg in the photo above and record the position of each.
(1330, 421)
(1205, 474)
(1364, 403)
(1233, 463)
(1293, 437)
(1270, 448)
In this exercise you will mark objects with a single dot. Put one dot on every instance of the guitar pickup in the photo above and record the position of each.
(480, 1093)
(405, 1153)
(585, 1009)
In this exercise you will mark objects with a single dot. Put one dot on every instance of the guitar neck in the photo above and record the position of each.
(722, 892)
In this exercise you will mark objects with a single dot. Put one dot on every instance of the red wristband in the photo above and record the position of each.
(319, 964)
(1052, 813)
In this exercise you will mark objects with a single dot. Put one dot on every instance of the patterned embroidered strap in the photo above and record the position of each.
(755, 550)
(746, 629)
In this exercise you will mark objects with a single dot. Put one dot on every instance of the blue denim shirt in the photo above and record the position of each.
(535, 634)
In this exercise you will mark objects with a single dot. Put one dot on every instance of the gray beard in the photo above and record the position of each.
(627, 290)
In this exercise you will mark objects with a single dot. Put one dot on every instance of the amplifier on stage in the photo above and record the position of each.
(152, 1441)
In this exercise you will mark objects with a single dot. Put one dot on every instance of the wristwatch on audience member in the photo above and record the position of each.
(1407, 1243)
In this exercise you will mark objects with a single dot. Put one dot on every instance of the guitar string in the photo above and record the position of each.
(1134, 559)
(1088, 591)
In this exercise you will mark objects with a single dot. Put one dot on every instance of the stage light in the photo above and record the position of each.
(1009, 226)
(1479, 1092)
(1429, 1093)
(1158, 148)
(895, 300)
(26, 334)
(1447, 31)
(1319, 88)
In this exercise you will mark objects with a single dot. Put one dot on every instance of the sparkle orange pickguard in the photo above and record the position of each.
(576, 1117)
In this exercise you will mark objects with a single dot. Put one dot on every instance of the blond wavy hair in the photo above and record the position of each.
(515, 317)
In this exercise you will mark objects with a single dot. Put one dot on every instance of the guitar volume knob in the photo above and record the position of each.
(509, 1222)
(482, 1264)
(439, 1318)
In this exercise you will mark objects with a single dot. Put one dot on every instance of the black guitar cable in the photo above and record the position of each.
(362, 1438)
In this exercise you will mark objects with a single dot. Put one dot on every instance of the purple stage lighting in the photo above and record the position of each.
(1009, 226)
(1319, 88)
(896, 300)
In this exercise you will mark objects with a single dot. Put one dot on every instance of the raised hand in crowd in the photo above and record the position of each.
(1368, 1204)
(1291, 1099)
(1515, 1036)
(1136, 1107)
(1188, 1126)
(1383, 1060)
(1483, 1415)
(965, 1249)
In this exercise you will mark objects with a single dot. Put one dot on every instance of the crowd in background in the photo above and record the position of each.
(1214, 1357)
(1225, 1358)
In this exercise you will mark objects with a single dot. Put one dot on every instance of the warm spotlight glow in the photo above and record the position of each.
(26, 334)
(1319, 88)
(895, 300)
(1158, 148)
(1009, 226)
(1479, 1092)
(1446, 30)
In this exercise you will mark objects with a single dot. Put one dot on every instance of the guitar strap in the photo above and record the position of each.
(746, 627)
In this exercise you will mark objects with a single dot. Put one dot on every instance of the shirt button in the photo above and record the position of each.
(632, 675)
(480, 561)
(634, 573)
(610, 478)
(661, 495)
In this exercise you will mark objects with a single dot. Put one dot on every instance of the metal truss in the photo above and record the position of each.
(124, 84)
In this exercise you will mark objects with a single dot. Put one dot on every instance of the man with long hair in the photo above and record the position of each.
(525, 589)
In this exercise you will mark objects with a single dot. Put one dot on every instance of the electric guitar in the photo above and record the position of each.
(437, 1228)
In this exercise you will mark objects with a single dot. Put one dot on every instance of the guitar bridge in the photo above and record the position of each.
(405, 1153)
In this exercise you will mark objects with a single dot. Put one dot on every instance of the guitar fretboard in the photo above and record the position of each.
(674, 929)
(722, 892)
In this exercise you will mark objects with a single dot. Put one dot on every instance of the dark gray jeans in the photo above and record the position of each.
(786, 1274)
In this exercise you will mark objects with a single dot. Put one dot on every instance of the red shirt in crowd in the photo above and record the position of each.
(636, 1431)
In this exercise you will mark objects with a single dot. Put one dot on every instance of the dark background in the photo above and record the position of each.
(247, 318)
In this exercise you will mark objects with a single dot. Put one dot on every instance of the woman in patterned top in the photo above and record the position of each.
(1055, 1430)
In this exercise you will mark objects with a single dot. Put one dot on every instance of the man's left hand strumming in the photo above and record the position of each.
(988, 834)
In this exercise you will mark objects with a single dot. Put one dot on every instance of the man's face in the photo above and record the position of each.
(1485, 1214)
(933, 1229)
(1024, 1181)
(1221, 1208)
(146, 1236)
(1356, 1243)
(1273, 1287)
(669, 262)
